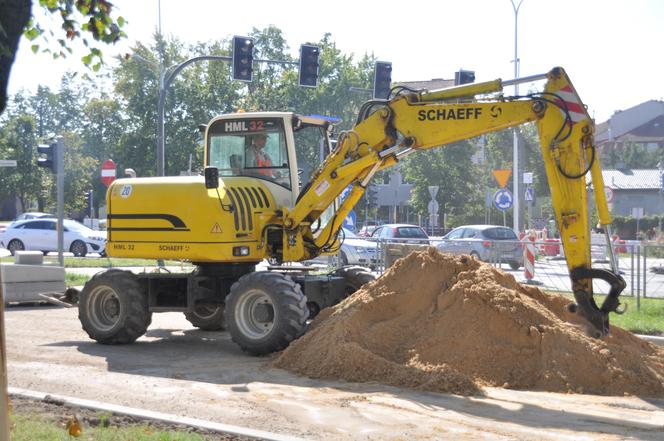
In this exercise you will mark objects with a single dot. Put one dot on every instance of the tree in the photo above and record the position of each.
(451, 169)
(43, 107)
(95, 20)
(18, 141)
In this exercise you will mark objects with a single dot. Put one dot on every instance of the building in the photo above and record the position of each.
(642, 124)
(635, 193)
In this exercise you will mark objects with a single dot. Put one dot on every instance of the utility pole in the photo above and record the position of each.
(515, 150)
(60, 188)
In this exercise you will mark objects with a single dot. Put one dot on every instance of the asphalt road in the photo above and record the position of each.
(179, 370)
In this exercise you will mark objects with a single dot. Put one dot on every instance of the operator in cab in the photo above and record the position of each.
(256, 155)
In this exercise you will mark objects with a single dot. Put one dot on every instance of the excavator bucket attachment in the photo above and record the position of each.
(585, 302)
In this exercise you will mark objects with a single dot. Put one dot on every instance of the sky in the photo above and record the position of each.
(611, 49)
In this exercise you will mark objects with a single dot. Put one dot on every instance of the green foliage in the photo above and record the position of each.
(450, 168)
(625, 226)
(18, 141)
(81, 19)
(630, 155)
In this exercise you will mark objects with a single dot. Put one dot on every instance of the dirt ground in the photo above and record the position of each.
(179, 370)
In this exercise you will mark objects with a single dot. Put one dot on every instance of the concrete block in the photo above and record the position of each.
(30, 291)
(29, 257)
(31, 273)
(25, 283)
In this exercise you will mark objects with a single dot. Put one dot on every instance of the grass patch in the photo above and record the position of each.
(35, 426)
(103, 262)
(648, 319)
(76, 279)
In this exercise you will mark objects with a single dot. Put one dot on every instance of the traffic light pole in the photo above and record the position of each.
(164, 83)
(60, 189)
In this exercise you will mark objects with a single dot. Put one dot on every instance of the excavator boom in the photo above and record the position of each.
(388, 130)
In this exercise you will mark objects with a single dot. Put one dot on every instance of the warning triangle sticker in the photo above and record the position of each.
(216, 228)
(502, 176)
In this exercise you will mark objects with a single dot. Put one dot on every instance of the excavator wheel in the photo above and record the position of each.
(207, 317)
(265, 311)
(355, 277)
(113, 308)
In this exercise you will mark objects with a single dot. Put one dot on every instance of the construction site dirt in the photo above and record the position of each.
(314, 391)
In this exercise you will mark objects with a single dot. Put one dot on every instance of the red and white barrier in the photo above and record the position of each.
(529, 254)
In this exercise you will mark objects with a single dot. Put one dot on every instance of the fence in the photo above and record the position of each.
(640, 263)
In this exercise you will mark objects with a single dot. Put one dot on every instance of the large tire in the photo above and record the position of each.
(355, 277)
(265, 311)
(113, 309)
(207, 317)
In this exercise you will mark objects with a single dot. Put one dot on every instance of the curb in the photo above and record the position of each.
(652, 339)
(156, 416)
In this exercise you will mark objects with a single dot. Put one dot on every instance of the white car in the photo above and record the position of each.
(33, 215)
(41, 234)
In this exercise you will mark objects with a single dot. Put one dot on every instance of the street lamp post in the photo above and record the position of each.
(660, 167)
(166, 78)
(515, 148)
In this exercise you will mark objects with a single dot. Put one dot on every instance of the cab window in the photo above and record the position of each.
(255, 148)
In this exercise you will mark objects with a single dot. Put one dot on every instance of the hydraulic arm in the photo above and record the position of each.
(388, 130)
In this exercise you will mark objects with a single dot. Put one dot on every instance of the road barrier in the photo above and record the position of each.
(640, 263)
(529, 254)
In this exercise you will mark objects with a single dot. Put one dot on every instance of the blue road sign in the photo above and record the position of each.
(530, 194)
(345, 193)
(349, 222)
(503, 199)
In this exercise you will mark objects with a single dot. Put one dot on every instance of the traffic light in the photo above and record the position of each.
(382, 80)
(51, 152)
(464, 77)
(309, 65)
(88, 201)
(243, 58)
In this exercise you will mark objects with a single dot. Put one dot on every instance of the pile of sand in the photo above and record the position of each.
(441, 323)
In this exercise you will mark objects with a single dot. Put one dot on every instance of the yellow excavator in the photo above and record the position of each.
(252, 204)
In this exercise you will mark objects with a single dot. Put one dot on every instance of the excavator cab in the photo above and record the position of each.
(281, 149)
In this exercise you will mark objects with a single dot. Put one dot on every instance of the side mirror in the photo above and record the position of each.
(211, 177)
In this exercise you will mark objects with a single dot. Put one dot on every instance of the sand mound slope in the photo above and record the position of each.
(452, 324)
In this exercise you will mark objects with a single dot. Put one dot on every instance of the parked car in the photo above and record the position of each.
(404, 233)
(358, 251)
(366, 230)
(41, 234)
(490, 243)
(354, 251)
(33, 215)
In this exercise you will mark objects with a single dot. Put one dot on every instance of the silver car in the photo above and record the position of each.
(354, 250)
(490, 243)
